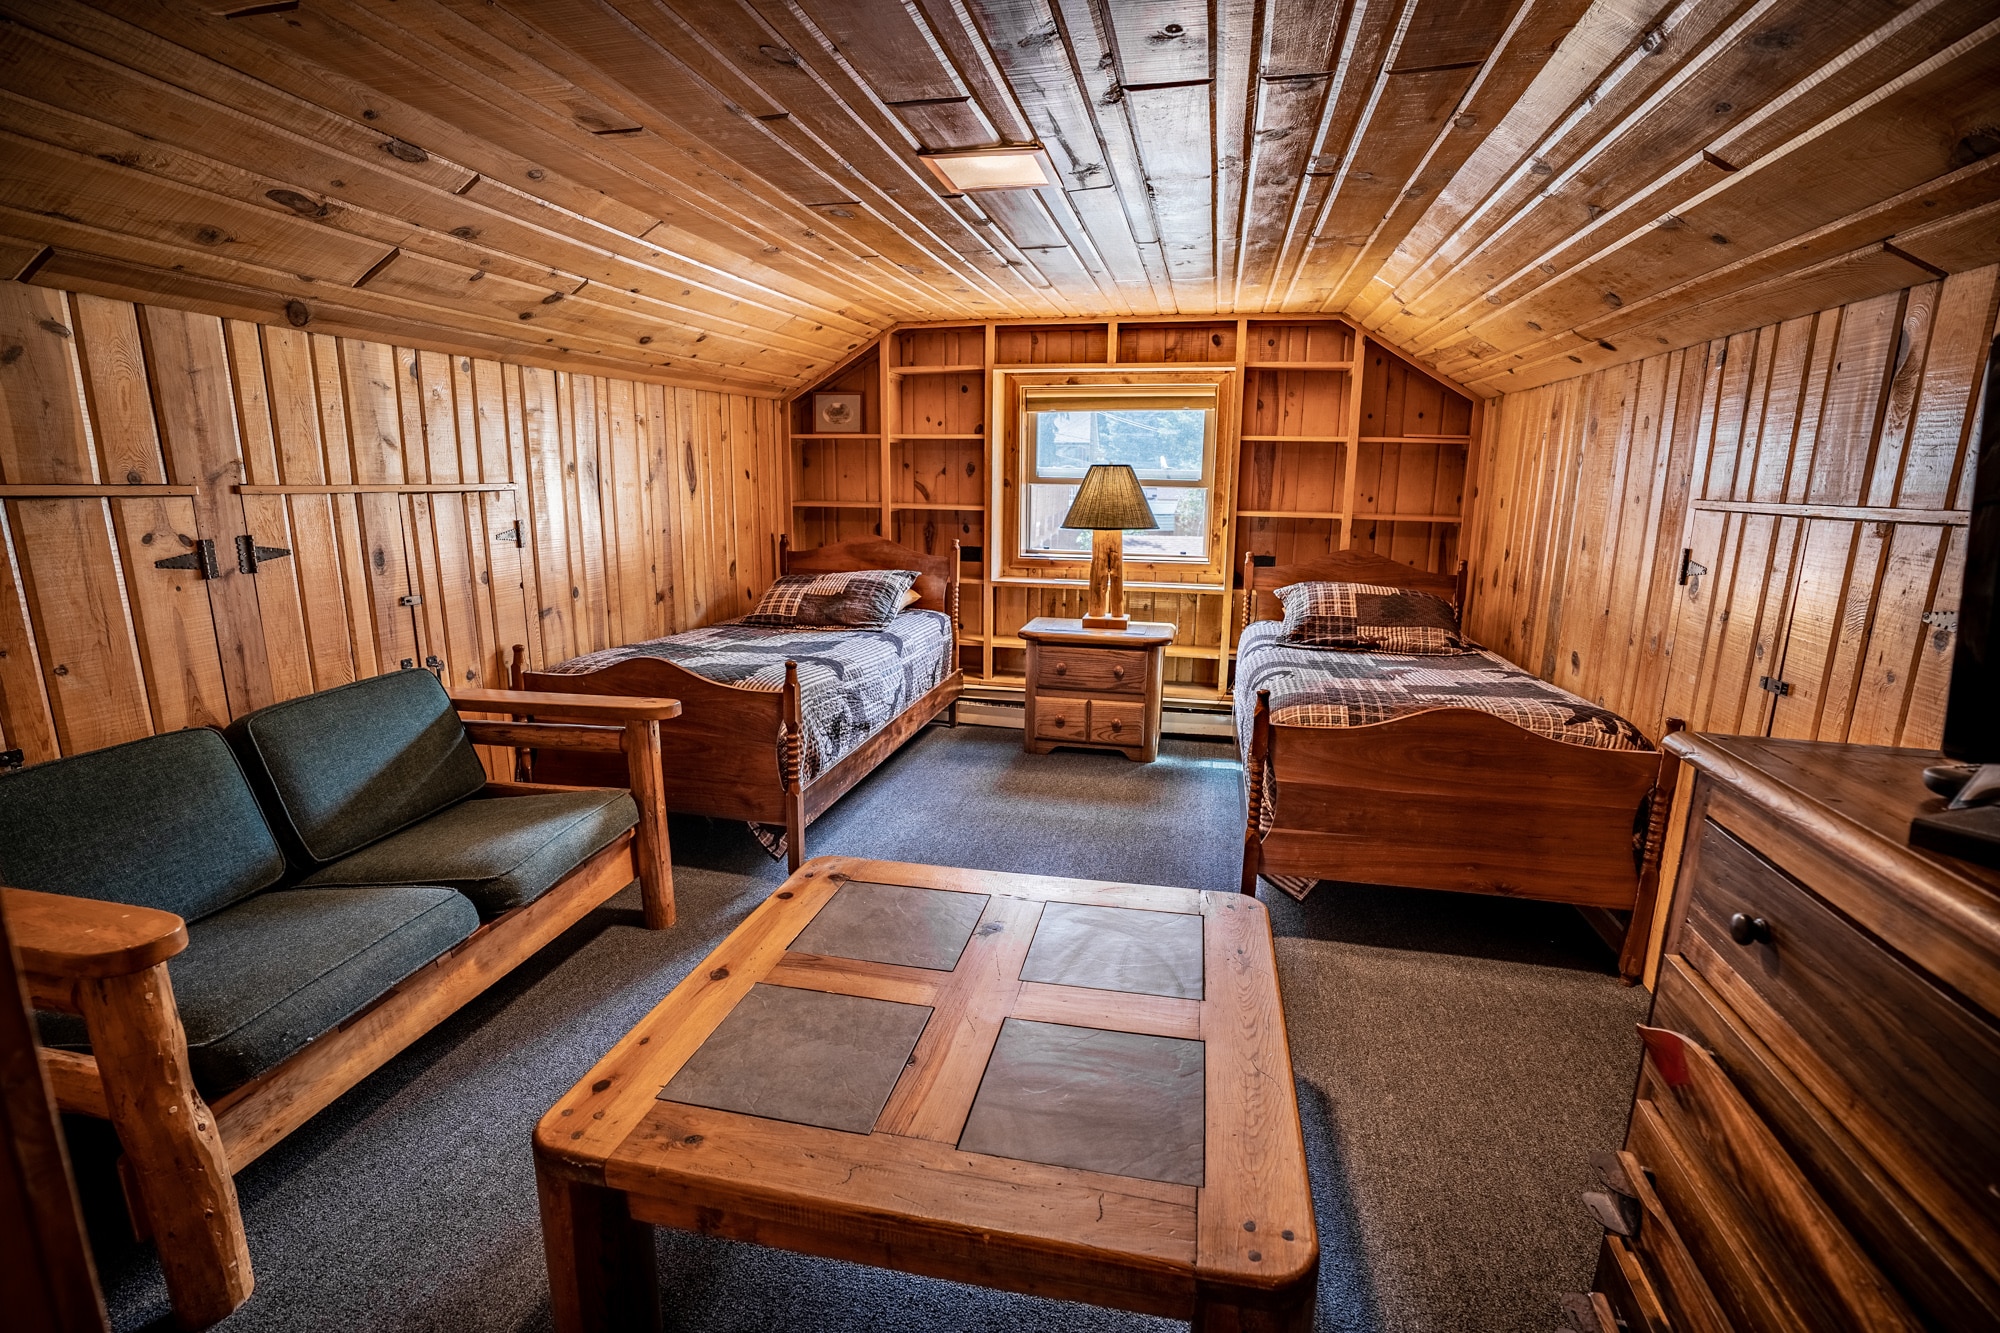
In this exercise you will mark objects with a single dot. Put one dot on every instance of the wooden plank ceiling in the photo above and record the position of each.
(729, 191)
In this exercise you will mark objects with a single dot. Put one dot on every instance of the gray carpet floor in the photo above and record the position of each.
(1457, 1059)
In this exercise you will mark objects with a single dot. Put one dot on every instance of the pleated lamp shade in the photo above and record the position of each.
(1110, 499)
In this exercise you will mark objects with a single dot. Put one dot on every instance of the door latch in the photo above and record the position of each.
(201, 559)
(414, 599)
(1772, 684)
(249, 554)
(436, 667)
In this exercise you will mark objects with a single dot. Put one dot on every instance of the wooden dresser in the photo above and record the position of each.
(1815, 1137)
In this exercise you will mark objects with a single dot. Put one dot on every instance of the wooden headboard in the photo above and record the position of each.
(937, 575)
(1346, 567)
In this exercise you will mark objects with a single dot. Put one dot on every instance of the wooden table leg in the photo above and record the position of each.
(1217, 1311)
(602, 1276)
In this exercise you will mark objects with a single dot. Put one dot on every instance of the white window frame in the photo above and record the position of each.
(1040, 398)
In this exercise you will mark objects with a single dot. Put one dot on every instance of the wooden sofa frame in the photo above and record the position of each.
(1453, 798)
(715, 762)
(108, 962)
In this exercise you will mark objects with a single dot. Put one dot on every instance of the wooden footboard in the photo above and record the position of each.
(1451, 799)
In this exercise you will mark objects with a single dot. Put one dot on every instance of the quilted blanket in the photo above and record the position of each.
(1325, 687)
(851, 682)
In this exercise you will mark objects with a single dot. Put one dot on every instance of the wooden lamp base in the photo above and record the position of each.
(1106, 607)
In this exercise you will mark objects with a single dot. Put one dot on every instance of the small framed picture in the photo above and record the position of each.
(836, 413)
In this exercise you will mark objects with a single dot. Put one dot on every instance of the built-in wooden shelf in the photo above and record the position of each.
(974, 369)
(1293, 439)
(1416, 439)
(913, 435)
(1407, 518)
(975, 507)
(839, 435)
(836, 504)
(1298, 365)
(1290, 513)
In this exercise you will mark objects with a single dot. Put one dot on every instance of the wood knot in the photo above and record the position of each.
(720, 974)
(600, 1085)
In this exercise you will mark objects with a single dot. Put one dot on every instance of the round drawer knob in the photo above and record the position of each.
(1117, 727)
(1118, 673)
(1062, 668)
(1747, 929)
(1061, 722)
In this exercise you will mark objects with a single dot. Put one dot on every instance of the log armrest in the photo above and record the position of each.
(576, 707)
(75, 938)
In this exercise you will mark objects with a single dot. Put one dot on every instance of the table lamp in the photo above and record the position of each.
(1109, 503)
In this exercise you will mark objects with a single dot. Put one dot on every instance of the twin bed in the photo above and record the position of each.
(1450, 770)
(776, 724)
(1446, 770)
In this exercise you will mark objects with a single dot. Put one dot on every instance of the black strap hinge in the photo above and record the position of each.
(1689, 569)
(249, 554)
(414, 599)
(201, 559)
(1781, 688)
(511, 533)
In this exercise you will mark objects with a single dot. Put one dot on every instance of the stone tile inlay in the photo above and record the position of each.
(1118, 1102)
(894, 923)
(1117, 948)
(805, 1056)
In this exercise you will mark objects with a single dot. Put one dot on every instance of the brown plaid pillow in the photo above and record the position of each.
(1366, 617)
(849, 599)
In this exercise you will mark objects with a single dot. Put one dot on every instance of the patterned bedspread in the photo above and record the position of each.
(1327, 687)
(852, 682)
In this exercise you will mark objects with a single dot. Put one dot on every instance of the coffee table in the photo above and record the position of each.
(1057, 1086)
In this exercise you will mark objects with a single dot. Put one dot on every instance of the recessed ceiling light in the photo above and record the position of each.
(1024, 168)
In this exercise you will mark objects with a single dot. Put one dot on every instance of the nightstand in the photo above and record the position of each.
(1094, 687)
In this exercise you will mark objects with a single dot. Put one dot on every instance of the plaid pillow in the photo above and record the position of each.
(1366, 617)
(851, 599)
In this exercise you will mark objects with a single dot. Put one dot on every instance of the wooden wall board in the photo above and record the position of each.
(616, 540)
(1772, 468)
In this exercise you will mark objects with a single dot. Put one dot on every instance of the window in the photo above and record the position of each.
(1166, 434)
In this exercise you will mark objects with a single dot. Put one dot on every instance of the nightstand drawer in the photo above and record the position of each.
(1116, 722)
(1060, 719)
(1091, 670)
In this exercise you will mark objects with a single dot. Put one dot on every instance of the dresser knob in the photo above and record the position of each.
(1061, 722)
(1062, 668)
(1117, 727)
(1118, 673)
(1747, 929)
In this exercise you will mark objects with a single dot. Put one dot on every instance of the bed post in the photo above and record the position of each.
(1639, 934)
(1463, 585)
(791, 764)
(784, 555)
(951, 713)
(1253, 772)
(517, 679)
(1249, 593)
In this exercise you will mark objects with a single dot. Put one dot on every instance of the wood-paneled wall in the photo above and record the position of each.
(394, 478)
(1810, 480)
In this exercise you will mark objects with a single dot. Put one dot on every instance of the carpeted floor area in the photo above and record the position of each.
(1457, 1059)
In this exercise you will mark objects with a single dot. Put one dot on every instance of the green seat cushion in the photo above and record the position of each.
(501, 851)
(260, 980)
(343, 767)
(166, 822)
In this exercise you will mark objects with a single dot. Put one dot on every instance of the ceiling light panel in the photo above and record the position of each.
(992, 169)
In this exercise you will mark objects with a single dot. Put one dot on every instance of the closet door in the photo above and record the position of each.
(108, 625)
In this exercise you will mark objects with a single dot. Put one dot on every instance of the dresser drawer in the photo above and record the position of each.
(1776, 1255)
(1060, 719)
(1909, 1070)
(1115, 722)
(1091, 670)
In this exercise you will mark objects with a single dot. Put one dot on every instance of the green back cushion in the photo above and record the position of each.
(166, 822)
(346, 766)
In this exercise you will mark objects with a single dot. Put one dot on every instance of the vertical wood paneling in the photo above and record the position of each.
(99, 646)
(1754, 455)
